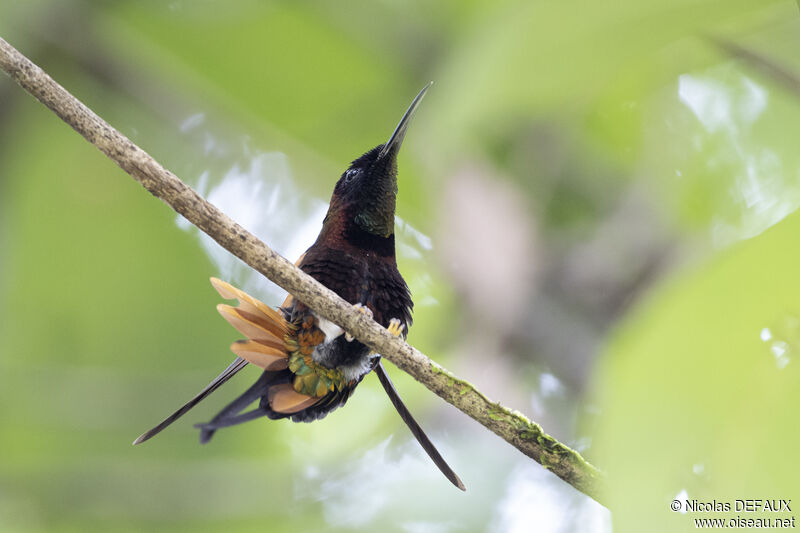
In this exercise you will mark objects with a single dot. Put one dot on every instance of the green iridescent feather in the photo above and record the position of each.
(311, 378)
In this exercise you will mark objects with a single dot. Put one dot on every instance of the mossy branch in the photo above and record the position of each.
(512, 426)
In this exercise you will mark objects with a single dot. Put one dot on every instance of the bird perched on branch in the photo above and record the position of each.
(311, 366)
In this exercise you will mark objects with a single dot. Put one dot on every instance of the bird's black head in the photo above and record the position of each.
(367, 190)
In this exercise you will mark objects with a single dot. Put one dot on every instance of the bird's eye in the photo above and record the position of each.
(350, 174)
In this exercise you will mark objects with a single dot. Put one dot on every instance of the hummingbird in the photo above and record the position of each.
(311, 366)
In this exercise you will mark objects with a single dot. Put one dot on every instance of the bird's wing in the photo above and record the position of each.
(415, 428)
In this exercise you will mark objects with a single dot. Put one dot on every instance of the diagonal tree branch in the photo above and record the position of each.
(512, 426)
(761, 63)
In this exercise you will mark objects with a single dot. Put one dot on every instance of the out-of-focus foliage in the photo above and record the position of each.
(579, 171)
(713, 420)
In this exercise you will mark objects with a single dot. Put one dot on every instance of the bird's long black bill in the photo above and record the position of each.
(218, 381)
(415, 428)
(394, 142)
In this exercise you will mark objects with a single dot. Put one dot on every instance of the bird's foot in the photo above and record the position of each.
(361, 308)
(396, 327)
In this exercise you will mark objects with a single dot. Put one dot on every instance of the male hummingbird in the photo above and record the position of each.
(311, 366)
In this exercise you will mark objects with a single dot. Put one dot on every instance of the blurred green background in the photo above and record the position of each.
(599, 226)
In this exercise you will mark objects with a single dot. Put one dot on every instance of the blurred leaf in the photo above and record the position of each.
(698, 386)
